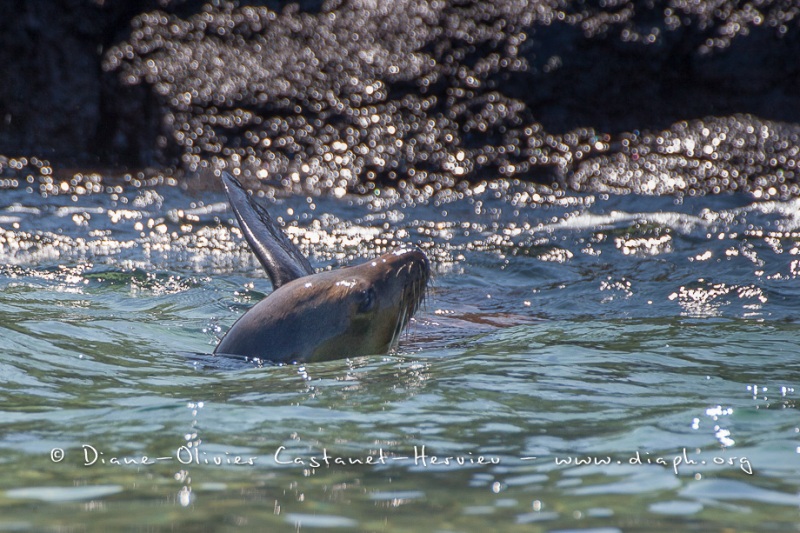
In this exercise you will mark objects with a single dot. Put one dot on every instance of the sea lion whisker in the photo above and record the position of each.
(401, 322)
(393, 340)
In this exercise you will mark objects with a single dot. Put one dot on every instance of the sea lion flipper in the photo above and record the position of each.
(282, 260)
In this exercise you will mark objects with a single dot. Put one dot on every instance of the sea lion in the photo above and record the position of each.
(357, 310)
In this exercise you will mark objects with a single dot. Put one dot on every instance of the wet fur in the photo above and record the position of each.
(352, 311)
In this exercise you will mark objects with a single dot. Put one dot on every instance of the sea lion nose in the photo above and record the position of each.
(411, 253)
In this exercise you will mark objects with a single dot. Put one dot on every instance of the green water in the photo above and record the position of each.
(656, 339)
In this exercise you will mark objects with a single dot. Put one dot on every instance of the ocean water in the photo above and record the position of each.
(581, 363)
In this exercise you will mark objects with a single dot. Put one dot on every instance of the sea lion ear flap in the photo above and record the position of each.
(282, 260)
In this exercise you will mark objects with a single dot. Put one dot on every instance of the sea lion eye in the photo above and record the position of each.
(366, 300)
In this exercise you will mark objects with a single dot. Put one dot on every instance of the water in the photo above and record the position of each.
(656, 339)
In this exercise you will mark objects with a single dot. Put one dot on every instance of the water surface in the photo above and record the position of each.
(654, 338)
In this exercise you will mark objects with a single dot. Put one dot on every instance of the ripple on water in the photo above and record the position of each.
(64, 494)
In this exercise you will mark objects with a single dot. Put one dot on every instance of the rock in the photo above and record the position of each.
(422, 95)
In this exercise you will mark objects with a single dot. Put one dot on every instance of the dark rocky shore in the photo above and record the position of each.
(680, 96)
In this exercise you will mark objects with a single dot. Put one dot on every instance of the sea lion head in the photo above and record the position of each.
(352, 311)
(376, 299)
